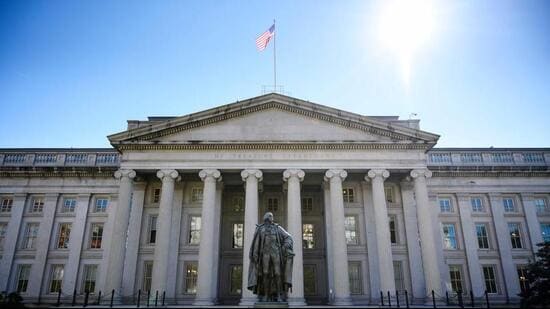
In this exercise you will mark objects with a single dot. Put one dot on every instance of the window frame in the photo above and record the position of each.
(475, 207)
(28, 237)
(457, 269)
(96, 238)
(71, 208)
(348, 194)
(454, 236)
(506, 208)
(87, 281)
(445, 209)
(6, 204)
(494, 279)
(394, 239)
(545, 226)
(59, 282)
(355, 231)
(311, 241)
(190, 275)
(516, 240)
(63, 236)
(486, 236)
(147, 275)
(20, 268)
(100, 209)
(196, 231)
(152, 227)
(3, 233)
(236, 244)
(197, 195)
(358, 279)
(37, 204)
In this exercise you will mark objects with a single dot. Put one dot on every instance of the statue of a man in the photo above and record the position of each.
(271, 256)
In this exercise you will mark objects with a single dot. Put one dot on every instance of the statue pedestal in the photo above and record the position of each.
(271, 305)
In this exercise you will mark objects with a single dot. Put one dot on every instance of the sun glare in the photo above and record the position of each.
(404, 27)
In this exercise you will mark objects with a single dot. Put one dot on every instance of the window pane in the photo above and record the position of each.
(508, 205)
(449, 236)
(37, 204)
(477, 205)
(90, 273)
(56, 279)
(490, 279)
(196, 195)
(515, 236)
(147, 275)
(541, 205)
(393, 230)
(350, 224)
(69, 205)
(23, 278)
(152, 229)
(349, 196)
(545, 230)
(96, 236)
(238, 235)
(522, 276)
(310, 287)
(63, 236)
(31, 235)
(398, 275)
(191, 274)
(482, 238)
(308, 242)
(236, 283)
(6, 205)
(195, 231)
(3, 229)
(101, 205)
(445, 205)
(355, 282)
(455, 272)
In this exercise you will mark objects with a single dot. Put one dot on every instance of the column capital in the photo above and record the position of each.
(289, 173)
(424, 172)
(377, 173)
(336, 174)
(251, 172)
(210, 173)
(125, 173)
(167, 174)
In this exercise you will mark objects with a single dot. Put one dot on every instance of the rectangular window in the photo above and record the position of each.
(63, 235)
(310, 281)
(515, 235)
(490, 279)
(350, 224)
(388, 192)
(191, 274)
(541, 205)
(196, 195)
(156, 195)
(445, 205)
(236, 282)
(37, 205)
(69, 205)
(152, 227)
(31, 235)
(508, 204)
(308, 242)
(449, 236)
(398, 276)
(195, 230)
(56, 278)
(147, 275)
(101, 205)
(393, 229)
(477, 204)
(237, 204)
(5, 206)
(96, 232)
(455, 271)
(307, 204)
(89, 278)
(349, 196)
(3, 229)
(482, 237)
(355, 282)
(545, 230)
(522, 276)
(23, 273)
(238, 235)
(272, 204)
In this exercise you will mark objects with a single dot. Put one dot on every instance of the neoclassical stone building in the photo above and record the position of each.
(172, 207)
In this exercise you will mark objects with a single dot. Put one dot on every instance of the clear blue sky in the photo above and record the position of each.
(73, 72)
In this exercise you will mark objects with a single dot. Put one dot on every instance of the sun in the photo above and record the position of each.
(404, 27)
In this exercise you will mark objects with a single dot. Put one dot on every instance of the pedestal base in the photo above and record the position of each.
(271, 305)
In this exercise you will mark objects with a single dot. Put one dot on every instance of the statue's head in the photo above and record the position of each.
(268, 217)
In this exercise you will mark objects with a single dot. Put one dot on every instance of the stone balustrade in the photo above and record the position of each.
(520, 157)
(59, 158)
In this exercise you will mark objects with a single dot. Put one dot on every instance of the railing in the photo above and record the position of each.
(57, 158)
(489, 157)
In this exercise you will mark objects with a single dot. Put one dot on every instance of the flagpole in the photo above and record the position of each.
(274, 58)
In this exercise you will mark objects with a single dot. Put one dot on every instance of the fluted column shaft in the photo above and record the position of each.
(120, 227)
(206, 248)
(533, 224)
(251, 177)
(339, 246)
(162, 241)
(293, 177)
(383, 239)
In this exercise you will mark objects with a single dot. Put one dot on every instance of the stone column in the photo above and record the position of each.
(206, 248)
(216, 235)
(164, 226)
(383, 240)
(426, 223)
(293, 177)
(10, 240)
(471, 245)
(533, 224)
(504, 246)
(328, 227)
(339, 246)
(132, 242)
(175, 234)
(372, 250)
(117, 250)
(251, 177)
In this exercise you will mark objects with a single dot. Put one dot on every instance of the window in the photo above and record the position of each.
(195, 231)
(6, 205)
(238, 204)
(540, 205)
(545, 231)
(101, 205)
(31, 235)
(37, 205)
(490, 279)
(355, 282)
(191, 274)
(482, 237)
(3, 229)
(152, 227)
(63, 235)
(349, 196)
(69, 205)
(238, 235)
(350, 224)
(23, 273)
(236, 282)
(477, 205)
(398, 275)
(449, 236)
(310, 286)
(90, 273)
(196, 195)
(393, 229)
(147, 275)
(515, 236)
(272, 204)
(508, 204)
(56, 278)
(522, 276)
(307, 236)
(388, 192)
(156, 195)
(445, 205)
(96, 235)
(307, 204)
(455, 271)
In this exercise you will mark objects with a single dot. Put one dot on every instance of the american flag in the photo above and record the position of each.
(263, 39)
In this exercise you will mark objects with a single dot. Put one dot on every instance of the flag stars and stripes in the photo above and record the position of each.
(264, 38)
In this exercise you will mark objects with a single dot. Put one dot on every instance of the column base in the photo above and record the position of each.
(296, 302)
(204, 302)
(342, 301)
(248, 301)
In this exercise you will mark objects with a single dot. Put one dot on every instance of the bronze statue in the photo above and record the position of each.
(271, 256)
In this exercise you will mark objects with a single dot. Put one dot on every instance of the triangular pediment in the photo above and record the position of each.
(272, 118)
